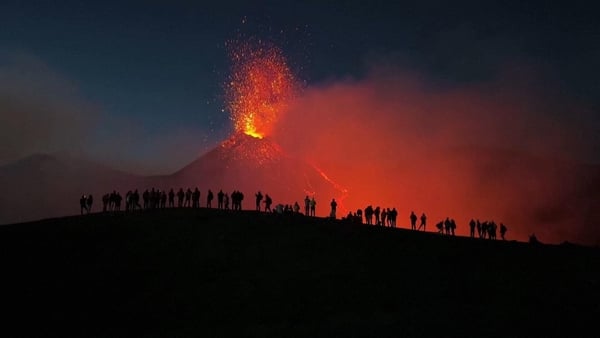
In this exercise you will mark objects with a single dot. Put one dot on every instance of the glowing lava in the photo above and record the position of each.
(260, 87)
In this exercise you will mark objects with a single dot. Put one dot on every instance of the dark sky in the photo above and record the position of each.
(148, 76)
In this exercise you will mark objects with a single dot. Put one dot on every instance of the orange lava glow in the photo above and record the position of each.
(260, 87)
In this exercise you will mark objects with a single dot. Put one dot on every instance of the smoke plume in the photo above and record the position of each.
(506, 151)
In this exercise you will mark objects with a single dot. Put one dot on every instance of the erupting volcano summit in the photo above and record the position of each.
(260, 86)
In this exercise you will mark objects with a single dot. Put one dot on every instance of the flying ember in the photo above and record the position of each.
(259, 88)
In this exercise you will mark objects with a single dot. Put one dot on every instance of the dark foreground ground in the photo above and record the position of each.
(204, 273)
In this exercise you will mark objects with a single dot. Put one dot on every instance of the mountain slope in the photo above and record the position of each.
(200, 272)
(249, 164)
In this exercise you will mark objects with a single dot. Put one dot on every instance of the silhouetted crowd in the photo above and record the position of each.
(384, 217)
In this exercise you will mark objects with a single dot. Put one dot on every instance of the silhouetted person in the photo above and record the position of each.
(383, 217)
(145, 197)
(472, 225)
(209, 199)
(492, 230)
(234, 200)
(89, 202)
(163, 199)
(484, 229)
(423, 222)
(240, 200)
(377, 212)
(220, 195)
(83, 203)
(390, 215)
(269, 201)
(313, 206)
(188, 198)
(358, 216)
(180, 195)
(440, 227)
(105, 200)
(413, 221)
(259, 198)
(136, 200)
(453, 226)
(503, 230)
(478, 228)
(171, 198)
(296, 206)
(369, 215)
(394, 214)
(226, 201)
(333, 208)
(447, 225)
(128, 200)
(118, 200)
(533, 239)
(306, 206)
(196, 198)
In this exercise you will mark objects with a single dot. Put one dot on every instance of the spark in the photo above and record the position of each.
(260, 86)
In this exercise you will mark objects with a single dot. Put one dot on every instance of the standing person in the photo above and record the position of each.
(503, 230)
(269, 201)
(259, 198)
(313, 206)
(333, 208)
(240, 199)
(188, 198)
(209, 199)
(83, 203)
(423, 222)
(376, 212)
(89, 202)
(171, 198)
(306, 206)
(413, 221)
(226, 201)
(472, 226)
(220, 199)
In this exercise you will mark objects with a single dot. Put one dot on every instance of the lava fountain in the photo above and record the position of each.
(260, 86)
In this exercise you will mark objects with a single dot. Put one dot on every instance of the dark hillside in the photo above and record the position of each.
(206, 273)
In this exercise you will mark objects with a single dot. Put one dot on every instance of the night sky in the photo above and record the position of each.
(139, 86)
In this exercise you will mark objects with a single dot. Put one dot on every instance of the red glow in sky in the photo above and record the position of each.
(260, 87)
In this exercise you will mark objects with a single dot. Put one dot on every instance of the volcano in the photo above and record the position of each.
(250, 164)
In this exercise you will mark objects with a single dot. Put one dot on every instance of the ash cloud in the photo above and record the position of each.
(509, 150)
(40, 110)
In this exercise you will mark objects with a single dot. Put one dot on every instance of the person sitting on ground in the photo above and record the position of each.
(533, 239)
